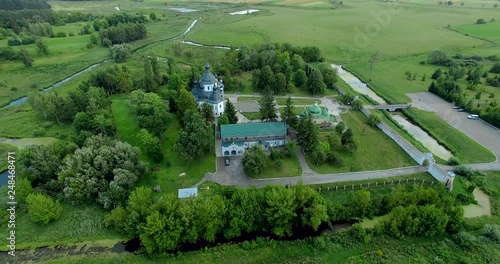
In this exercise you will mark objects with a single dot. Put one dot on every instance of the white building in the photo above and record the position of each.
(210, 90)
(236, 138)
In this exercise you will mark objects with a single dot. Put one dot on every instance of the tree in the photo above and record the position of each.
(265, 78)
(279, 84)
(320, 152)
(315, 83)
(267, 107)
(120, 52)
(25, 57)
(151, 111)
(223, 120)
(185, 102)
(207, 112)
(151, 144)
(297, 62)
(289, 115)
(481, 21)
(177, 48)
(439, 57)
(280, 210)
(308, 133)
(437, 73)
(42, 209)
(196, 138)
(42, 47)
(348, 140)
(93, 39)
(340, 127)
(152, 16)
(175, 82)
(299, 78)
(103, 170)
(375, 56)
(230, 112)
(495, 68)
(254, 161)
(330, 76)
(374, 118)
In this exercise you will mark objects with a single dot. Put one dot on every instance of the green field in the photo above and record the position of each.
(375, 151)
(248, 98)
(464, 148)
(489, 31)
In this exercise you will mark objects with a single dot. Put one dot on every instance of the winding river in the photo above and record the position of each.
(57, 84)
(356, 84)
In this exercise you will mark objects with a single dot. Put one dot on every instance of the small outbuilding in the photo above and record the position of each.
(188, 192)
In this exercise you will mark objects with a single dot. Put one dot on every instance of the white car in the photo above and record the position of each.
(473, 117)
(451, 174)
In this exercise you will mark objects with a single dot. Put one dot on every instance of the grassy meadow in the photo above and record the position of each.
(375, 150)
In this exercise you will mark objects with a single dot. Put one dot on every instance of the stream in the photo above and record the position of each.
(57, 84)
(356, 84)
(424, 138)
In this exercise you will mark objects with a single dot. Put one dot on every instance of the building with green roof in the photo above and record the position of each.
(236, 138)
(320, 115)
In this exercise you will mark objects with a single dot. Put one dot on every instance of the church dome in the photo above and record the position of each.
(315, 109)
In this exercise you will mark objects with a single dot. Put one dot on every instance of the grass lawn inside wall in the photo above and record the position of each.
(169, 169)
(290, 168)
(376, 151)
(463, 147)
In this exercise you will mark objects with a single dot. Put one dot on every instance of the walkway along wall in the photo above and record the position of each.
(437, 172)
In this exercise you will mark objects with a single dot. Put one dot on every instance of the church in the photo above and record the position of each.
(209, 90)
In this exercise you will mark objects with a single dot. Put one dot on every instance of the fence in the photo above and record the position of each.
(371, 185)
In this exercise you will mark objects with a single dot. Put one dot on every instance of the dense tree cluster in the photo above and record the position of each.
(103, 170)
(447, 87)
(123, 33)
(40, 164)
(113, 80)
(196, 138)
(170, 222)
(118, 18)
(151, 111)
(164, 225)
(23, 4)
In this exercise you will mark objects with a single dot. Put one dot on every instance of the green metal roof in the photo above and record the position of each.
(253, 129)
(315, 109)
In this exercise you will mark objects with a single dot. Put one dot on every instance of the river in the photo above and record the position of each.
(356, 84)
(424, 138)
(57, 84)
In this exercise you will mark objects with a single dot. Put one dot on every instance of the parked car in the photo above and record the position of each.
(456, 107)
(460, 110)
(451, 174)
(473, 117)
(226, 161)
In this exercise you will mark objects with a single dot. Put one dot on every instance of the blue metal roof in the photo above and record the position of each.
(188, 192)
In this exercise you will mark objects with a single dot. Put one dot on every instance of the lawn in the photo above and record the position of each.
(169, 169)
(282, 101)
(376, 151)
(464, 148)
(289, 168)
(248, 98)
(251, 115)
(489, 31)
(21, 122)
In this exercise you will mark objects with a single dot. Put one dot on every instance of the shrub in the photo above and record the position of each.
(71, 34)
(42, 209)
(13, 89)
(61, 35)
(453, 161)
(465, 240)
(480, 21)
(492, 232)
(39, 132)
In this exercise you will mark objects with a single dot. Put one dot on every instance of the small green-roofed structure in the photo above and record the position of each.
(253, 129)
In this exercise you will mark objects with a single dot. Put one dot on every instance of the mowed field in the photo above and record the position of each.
(349, 33)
